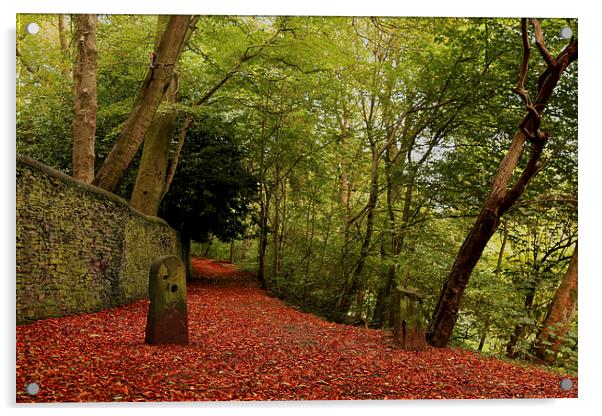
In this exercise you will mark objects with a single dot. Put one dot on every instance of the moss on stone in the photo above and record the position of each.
(79, 248)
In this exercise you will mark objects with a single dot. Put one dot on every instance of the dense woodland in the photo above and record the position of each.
(337, 158)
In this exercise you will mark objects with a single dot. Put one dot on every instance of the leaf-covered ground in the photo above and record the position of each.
(245, 345)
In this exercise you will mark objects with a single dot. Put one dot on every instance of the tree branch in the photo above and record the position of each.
(304, 155)
(539, 41)
(547, 198)
(524, 66)
(246, 56)
(521, 183)
(171, 172)
(25, 64)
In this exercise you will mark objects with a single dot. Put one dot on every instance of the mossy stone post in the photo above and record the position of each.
(409, 325)
(167, 321)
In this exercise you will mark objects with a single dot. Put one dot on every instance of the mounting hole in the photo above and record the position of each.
(32, 28)
(566, 384)
(32, 388)
(175, 287)
(566, 32)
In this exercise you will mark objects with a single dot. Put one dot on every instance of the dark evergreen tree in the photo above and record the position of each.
(212, 191)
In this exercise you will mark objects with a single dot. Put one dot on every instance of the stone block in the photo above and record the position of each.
(167, 320)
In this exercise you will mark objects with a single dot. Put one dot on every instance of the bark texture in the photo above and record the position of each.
(156, 171)
(150, 181)
(151, 186)
(502, 195)
(560, 315)
(154, 87)
(85, 107)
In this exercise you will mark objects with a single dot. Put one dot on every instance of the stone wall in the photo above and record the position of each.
(79, 248)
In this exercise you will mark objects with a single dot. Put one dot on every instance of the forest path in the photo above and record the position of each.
(245, 345)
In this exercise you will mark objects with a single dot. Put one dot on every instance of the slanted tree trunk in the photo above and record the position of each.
(501, 197)
(156, 172)
(560, 315)
(150, 185)
(150, 180)
(155, 85)
(84, 119)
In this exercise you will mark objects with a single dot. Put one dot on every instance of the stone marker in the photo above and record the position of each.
(409, 325)
(167, 320)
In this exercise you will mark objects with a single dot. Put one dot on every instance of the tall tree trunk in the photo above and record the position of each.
(149, 188)
(243, 251)
(283, 219)
(276, 226)
(185, 238)
(84, 120)
(384, 290)
(310, 246)
(66, 64)
(261, 248)
(501, 198)
(560, 315)
(484, 333)
(264, 199)
(519, 329)
(397, 241)
(355, 285)
(309, 235)
(346, 190)
(498, 272)
(155, 85)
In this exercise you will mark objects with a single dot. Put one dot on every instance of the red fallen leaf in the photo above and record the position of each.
(245, 345)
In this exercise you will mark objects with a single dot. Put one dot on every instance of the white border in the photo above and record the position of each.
(589, 155)
(506, 8)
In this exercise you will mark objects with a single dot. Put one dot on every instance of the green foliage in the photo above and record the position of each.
(212, 190)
